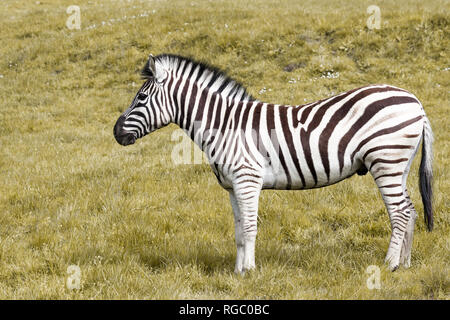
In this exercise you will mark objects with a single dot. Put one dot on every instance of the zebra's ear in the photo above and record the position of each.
(149, 70)
(151, 64)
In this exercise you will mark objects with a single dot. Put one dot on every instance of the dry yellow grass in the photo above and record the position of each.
(139, 227)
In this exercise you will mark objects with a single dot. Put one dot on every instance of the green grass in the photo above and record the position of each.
(140, 227)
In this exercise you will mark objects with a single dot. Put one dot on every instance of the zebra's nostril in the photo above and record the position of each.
(123, 137)
(118, 126)
(130, 139)
(126, 139)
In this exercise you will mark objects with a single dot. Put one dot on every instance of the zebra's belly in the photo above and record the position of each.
(278, 179)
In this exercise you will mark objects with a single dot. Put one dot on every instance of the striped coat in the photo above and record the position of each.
(253, 145)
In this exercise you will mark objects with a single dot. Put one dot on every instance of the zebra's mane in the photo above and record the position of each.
(207, 76)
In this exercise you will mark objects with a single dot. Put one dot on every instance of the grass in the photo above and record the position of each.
(140, 227)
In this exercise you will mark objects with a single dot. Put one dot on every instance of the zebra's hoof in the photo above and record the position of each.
(394, 267)
(393, 260)
(244, 270)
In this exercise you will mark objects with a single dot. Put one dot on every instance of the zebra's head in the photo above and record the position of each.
(147, 111)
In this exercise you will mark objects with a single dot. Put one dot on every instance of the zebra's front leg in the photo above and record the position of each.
(238, 232)
(244, 199)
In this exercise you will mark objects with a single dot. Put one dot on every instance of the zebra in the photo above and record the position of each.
(252, 145)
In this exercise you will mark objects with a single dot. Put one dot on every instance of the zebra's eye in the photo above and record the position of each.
(142, 96)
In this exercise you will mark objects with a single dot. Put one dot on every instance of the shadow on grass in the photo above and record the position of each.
(304, 255)
(207, 261)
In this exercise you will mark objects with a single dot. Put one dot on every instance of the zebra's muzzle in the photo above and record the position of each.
(126, 139)
(122, 136)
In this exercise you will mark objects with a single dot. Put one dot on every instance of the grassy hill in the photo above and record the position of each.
(140, 227)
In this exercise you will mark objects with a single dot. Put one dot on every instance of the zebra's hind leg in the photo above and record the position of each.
(389, 180)
(405, 254)
(389, 166)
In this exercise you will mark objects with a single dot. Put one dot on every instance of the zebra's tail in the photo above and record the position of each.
(426, 174)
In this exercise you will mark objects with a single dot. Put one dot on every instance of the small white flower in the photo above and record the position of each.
(330, 74)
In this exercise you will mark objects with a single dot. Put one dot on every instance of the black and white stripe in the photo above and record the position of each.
(253, 145)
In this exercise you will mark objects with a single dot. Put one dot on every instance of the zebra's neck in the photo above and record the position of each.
(200, 95)
(199, 111)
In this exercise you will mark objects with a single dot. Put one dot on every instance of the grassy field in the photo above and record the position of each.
(140, 227)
